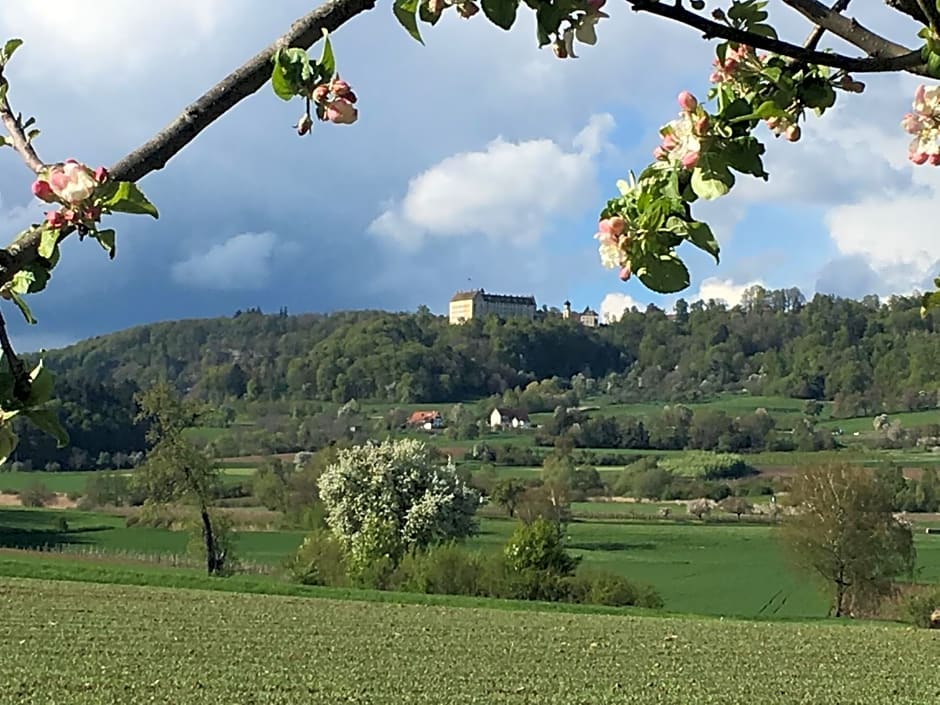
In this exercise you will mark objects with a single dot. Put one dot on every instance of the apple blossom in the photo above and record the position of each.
(687, 101)
(304, 124)
(682, 138)
(320, 93)
(71, 182)
(43, 191)
(55, 219)
(924, 125)
(101, 174)
(339, 87)
(341, 112)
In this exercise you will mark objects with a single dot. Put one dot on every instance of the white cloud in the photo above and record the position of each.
(241, 262)
(722, 290)
(616, 304)
(509, 191)
(80, 39)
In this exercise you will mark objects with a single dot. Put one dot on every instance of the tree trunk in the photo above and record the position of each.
(212, 561)
(840, 598)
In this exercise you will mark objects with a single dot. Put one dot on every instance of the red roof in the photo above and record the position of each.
(422, 417)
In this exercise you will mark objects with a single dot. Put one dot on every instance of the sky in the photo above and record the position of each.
(478, 161)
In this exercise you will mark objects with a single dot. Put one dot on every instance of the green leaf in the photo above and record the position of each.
(817, 93)
(47, 421)
(327, 61)
(707, 186)
(426, 16)
(406, 13)
(8, 441)
(30, 280)
(9, 47)
(665, 274)
(105, 238)
(128, 198)
(502, 13)
(291, 72)
(700, 235)
(48, 239)
(24, 309)
(41, 384)
(744, 155)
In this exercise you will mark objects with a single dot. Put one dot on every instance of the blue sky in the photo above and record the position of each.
(478, 160)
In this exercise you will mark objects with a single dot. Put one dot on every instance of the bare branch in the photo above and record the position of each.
(812, 41)
(930, 11)
(855, 34)
(18, 139)
(21, 384)
(884, 56)
(908, 7)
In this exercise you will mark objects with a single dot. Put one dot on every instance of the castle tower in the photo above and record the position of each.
(566, 311)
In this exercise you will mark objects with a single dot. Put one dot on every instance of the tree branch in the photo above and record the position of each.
(885, 56)
(222, 97)
(21, 384)
(854, 33)
(930, 11)
(18, 139)
(812, 41)
(238, 85)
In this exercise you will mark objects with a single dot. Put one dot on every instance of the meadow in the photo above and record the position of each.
(85, 644)
(727, 568)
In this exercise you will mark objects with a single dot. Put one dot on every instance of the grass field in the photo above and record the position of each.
(63, 482)
(86, 644)
(718, 569)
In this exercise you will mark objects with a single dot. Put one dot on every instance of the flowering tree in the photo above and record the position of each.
(759, 81)
(383, 500)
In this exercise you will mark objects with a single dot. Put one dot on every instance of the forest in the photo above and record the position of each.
(865, 357)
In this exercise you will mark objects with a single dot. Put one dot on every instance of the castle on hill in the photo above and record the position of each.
(477, 303)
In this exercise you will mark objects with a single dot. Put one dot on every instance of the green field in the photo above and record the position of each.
(94, 644)
(63, 482)
(716, 569)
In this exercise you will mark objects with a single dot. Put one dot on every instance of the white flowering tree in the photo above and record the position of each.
(760, 84)
(383, 500)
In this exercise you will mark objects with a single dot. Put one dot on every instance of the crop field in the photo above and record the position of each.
(89, 644)
(63, 482)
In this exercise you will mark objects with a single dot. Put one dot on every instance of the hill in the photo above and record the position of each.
(864, 356)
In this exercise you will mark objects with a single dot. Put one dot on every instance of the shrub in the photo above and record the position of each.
(61, 524)
(538, 546)
(605, 588)
(446, 569)
(36, 495)
(919, 605)
(320, 560)
(710, 466)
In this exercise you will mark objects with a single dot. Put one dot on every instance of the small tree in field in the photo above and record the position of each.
(176, 469)
(384, 500)
(845, 532)
(700, 508)
(507, 492)
(736, 506)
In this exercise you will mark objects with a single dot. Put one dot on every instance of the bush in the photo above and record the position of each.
(36, 495)
(710, 466)
(61, 524)
(919, 605)
(320, 560)
(155, 516)
(538, 546)
(447, 569)
(604, 588)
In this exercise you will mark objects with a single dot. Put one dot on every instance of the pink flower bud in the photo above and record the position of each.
(935, 159)
(560, 50)
(55, 219)
(70, 215)
(918, 157)
(596, 4)
(304, 125)
(715, 77)
(43, 191)
(701, 125)
(351, 97)
(320, 93)
(101, 174)
(341, 112)
(93, 214)
(772, 122)
(625, 272)
(660, 153)
(617, 225)
(669, 141)
(687, 101)
(793, 133)
(919, 93)
(690, 159)
(340, 88)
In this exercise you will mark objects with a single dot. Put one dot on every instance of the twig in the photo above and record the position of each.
(812, 40)
(21, 383)
(18, 139)
(873, 44)
(883, 55)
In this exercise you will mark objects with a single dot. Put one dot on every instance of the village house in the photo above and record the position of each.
(588, 317)
(509, 418)
(427, 420)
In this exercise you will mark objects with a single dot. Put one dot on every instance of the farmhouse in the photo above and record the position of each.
(427, 420)
(509, 418)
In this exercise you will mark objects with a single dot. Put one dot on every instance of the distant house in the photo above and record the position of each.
(509, 418)
(428, 420)
(588, 317)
